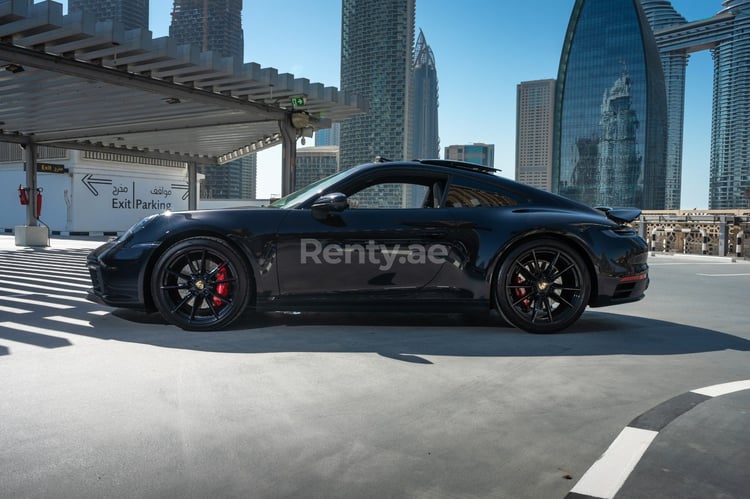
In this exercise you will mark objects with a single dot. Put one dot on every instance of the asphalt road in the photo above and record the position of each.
(100, 402)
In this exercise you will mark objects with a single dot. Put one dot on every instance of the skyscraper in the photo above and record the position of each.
(377, 43)
(535, 111)
(328, 136)
(216, 25)
(131, 13)
(730, 132)
(661, 15)
(425, 126)
(211, 25)
(477, 153)
(315, 163)
(727, 35)
(610, 108)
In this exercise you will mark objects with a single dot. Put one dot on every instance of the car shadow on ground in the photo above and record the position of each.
(409, 336)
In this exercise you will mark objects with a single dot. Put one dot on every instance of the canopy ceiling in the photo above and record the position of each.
(72, 82)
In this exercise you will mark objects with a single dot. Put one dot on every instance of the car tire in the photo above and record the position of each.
(201, 284)
(542, 286)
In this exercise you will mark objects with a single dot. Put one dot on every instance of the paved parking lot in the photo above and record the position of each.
(100, 402)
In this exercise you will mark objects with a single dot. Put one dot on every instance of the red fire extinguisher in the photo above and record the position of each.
(38, 202)
(23, 195)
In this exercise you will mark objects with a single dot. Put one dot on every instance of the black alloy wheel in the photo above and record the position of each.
(542, 286)
(201, 284)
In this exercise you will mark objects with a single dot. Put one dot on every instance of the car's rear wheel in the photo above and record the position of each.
(542, 286)
(201, 284)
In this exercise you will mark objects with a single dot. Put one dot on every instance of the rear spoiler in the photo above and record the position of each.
(620, 215)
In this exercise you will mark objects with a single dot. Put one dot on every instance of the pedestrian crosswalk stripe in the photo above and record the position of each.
(38, 287)
(18, 282)
(24, 292)
(77, 268)
(12, 310)
(64, 275)
(35, 302)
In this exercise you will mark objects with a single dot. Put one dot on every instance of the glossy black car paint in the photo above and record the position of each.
(271, 241)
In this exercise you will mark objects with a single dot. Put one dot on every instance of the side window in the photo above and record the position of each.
(390, 196)
(476, 195)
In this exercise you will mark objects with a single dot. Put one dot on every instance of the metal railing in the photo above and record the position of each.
(716, 233)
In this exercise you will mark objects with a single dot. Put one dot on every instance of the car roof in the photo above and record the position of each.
(450, 163)
(480, 172)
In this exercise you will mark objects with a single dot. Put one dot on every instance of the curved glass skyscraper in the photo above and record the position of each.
(610, 108)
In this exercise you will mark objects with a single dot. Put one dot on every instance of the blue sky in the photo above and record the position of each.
(483, 49)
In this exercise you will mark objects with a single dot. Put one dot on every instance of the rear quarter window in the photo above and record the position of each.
(465, 193)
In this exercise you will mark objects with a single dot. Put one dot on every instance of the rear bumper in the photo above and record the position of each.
(617, 290)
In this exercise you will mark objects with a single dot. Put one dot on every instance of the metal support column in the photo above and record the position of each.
(29, 153)
(193, 193)
(288, 156)
(31, 234)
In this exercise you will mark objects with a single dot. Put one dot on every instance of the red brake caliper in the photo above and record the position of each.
(520, 292)
(222, 289)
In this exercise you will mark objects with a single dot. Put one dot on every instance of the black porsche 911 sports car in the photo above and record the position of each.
(426, 234)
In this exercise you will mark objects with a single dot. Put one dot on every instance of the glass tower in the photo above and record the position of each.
(426, 136)
(660, 15)
(727, 36)
(328, 136)
(610, 108)
(377, 43)
(216, 25)
(730, 126)
(131, 13)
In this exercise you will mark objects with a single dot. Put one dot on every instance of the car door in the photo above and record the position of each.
(385, 244)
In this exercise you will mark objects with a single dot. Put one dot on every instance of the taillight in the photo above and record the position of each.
(633, 278)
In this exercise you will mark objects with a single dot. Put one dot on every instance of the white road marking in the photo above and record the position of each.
(607, 475)
(34, 302)
(12, 310)
(723, 388)
(50, 275)
(23, 292)
(723, 275)
(17, 282)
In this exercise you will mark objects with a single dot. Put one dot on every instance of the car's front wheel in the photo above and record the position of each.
(542, 286)
(201, 284)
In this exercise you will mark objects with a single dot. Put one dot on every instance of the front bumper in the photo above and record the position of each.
(116, 276)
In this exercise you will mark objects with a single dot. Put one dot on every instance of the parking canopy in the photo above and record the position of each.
(72, 82)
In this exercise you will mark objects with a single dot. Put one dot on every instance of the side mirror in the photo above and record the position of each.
(334, 202)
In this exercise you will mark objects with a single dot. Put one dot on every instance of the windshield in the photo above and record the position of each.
(296, 198)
